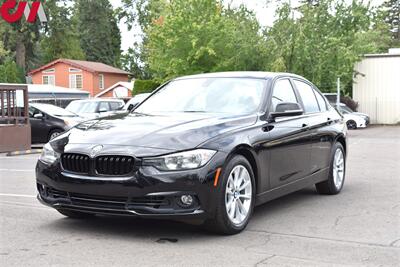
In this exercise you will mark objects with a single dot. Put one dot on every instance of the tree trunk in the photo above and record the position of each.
(20, 52)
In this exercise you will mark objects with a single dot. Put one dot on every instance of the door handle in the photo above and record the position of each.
(304, 125)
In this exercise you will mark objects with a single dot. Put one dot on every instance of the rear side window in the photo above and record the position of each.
(307, 95)
(104, 106)
(283, 92)
(321, 101)
(115, 105)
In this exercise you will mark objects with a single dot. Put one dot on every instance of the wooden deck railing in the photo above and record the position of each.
(15, 132)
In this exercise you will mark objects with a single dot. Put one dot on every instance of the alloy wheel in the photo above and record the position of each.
(238, 195)
(338, 168)
(54, 135)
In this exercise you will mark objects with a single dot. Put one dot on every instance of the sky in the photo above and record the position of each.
(264, 12)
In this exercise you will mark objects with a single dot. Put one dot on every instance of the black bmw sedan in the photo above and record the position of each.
(209, 147)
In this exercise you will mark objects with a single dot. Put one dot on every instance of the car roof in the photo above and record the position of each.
(240, 74)
(98, 100)
(43, 105)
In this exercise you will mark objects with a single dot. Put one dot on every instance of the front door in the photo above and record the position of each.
(39, 129)
(289, 145)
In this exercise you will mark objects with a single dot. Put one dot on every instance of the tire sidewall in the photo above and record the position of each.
(352, 125)
(221, 211)
(53, 132)
(331, 179)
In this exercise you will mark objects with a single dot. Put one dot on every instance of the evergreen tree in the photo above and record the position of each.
(99, 34)
(61, 39)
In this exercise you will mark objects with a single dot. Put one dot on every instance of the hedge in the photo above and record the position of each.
(144, 86)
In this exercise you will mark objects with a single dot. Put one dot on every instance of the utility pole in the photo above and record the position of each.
(338, 92)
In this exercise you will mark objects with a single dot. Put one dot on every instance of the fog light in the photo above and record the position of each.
(187, 200)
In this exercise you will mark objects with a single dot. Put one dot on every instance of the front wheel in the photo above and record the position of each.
(235, 198)
(351, 125)
(53, 134)
(335, 181)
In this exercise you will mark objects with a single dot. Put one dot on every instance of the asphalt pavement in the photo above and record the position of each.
(359, 227)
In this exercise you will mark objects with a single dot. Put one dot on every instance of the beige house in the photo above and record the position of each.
(376, 87)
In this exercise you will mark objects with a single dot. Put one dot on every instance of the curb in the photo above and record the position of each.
(24, 152)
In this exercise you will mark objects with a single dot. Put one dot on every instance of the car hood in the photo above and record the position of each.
(360, 114)
(177, 131)
(354, 117)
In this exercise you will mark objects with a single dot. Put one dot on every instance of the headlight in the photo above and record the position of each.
(181, 161)
(48, 156)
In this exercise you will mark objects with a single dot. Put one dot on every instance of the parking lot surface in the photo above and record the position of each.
(359, 227)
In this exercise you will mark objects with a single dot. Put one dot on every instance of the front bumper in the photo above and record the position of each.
(147, 193)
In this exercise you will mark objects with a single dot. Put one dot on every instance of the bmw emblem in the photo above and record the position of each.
(95, 150)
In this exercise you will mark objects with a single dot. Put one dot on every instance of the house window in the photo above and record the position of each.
(101, 81)
(49, 71)
(74, 70)
(48, 79)
(76, 81)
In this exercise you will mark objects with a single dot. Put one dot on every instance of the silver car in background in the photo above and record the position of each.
(95, 108)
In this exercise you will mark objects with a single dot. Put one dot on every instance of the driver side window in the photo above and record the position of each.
(283, 92)
(33, 111)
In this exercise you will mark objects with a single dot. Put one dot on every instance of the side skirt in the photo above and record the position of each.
(294, 186)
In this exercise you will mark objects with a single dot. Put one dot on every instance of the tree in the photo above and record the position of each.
(11, 73)
(197, 36)
(391, 9)
(141, 12)
(324, 40)
(99, 34)
(61, 39)
(3, 51)
(131, 62)
(21, 38)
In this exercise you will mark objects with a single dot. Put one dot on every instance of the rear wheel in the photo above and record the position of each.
(75, 214)
(235, 199)
(335, 181)
(351, 124)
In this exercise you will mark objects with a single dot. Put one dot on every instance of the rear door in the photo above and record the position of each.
(289, 143)
(104, 109)
(319, 124)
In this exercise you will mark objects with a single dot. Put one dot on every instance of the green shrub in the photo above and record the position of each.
(144, 86)
(11, 73)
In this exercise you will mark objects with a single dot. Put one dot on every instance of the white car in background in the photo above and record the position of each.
(95, 108)
(353, 119)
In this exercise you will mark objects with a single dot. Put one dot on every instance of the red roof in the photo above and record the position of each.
(86, 65)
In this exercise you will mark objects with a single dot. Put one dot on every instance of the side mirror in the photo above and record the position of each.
(101, 110)
(38, 116)
(131, 106)
(286, 109)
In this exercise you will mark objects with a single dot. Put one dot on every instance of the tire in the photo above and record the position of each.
(222, 223)
(351, 125)
(53, 134)
(75, 214)
(332, 186)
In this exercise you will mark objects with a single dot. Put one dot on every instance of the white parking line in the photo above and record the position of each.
(18, 158)
(17, 195)
(15, 170)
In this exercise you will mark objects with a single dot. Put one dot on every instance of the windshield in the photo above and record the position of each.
(54, 110)
(346, 109)
(139, 98)
(211, 95)
(82, 107)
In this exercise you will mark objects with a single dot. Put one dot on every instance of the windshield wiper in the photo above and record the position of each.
(194, 111)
